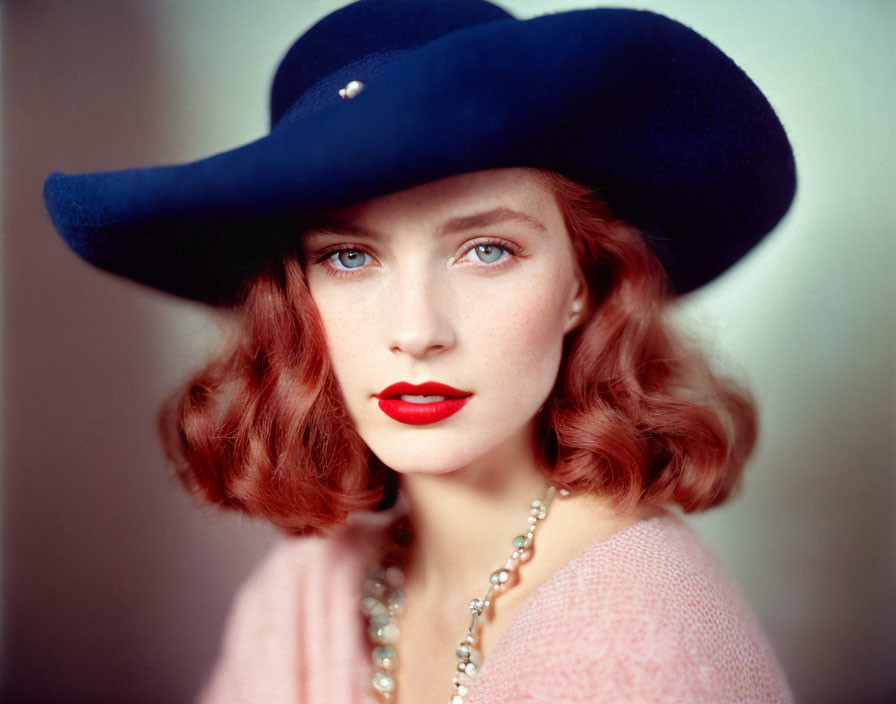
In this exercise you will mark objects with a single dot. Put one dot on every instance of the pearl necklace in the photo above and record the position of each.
(382, 599)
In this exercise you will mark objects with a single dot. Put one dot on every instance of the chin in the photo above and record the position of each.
(425, 458)
(418, 470)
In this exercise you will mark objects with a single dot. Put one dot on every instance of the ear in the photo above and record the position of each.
(578, 306)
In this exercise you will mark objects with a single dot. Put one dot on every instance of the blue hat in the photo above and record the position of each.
(383, 95)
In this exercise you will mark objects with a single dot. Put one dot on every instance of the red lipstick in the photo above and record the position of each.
(421, 413)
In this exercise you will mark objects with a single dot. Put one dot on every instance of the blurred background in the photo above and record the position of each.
(115, 584)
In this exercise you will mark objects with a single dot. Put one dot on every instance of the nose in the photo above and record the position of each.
(419, 320)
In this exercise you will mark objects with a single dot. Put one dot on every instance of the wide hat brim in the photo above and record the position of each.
(673, 133)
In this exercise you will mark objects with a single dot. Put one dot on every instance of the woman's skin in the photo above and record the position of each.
(410, 298)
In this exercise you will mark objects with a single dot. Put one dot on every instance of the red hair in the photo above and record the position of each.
(636, 414)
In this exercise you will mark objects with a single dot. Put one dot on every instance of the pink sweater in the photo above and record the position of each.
(647, 615)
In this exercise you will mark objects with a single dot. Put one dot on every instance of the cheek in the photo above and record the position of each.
(348, 335)
(519, 331)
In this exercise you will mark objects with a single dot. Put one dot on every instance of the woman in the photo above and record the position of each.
(449, 262)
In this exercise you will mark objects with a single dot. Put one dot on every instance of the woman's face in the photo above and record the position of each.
(471, 282)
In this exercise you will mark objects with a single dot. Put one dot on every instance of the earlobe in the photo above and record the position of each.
(577, 306)
(574, 317)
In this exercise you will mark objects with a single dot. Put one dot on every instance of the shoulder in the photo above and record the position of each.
(649, 614)
(670, 618)
(281, 609)
(658, 566)
(296, 565)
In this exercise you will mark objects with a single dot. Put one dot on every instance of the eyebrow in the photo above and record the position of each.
(491, 217)
(454, 225)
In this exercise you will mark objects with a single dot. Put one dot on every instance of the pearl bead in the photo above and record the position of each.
(383, 630)
(395, 602)
(375, 585)
(463, 678)
(371, 606)
(383, 683)
(384, 657)
(499, 576)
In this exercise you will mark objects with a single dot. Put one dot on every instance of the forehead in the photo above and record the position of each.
(504, 194)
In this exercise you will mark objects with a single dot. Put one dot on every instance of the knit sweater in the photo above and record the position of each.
(646, 615)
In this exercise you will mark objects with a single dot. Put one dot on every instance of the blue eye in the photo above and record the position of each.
(348, 261)
(348, 258)
(490, 252)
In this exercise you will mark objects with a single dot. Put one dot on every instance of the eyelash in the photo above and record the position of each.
(322, 258)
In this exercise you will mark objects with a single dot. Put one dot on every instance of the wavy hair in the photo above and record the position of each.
(636, 412)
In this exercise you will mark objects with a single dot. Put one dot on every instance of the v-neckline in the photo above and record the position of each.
(530, 603)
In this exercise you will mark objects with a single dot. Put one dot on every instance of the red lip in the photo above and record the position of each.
(421, 413)
(427, 388)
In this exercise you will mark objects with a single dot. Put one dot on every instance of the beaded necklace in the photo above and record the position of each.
(382, 599)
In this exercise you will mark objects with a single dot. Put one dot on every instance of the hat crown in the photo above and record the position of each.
(359, 40)
(674, 135)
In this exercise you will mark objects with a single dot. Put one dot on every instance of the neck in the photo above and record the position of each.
(464, 520)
